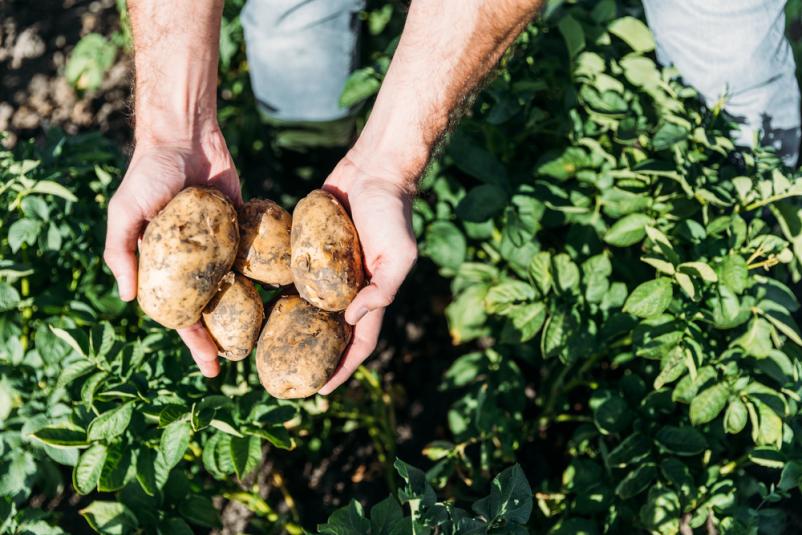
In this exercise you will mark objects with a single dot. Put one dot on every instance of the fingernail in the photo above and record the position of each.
(359, 314)
(125, 290)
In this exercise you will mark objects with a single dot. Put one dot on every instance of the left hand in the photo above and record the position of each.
(381, 208)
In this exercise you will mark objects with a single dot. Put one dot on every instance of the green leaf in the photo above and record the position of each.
(612, 415)
(636, 481)
(735, 417)
(225, 427)
(387, 518)
(110, 518)
(628, 231)
(115, 472)
(89, 61)
(174, 442)
(784, 323)
(445, 245)
(540, 271)
(709, 403)
(528, 319)
(791, 476)
(767, 457)
(348, 520)
(200, 511)
(633, 32)
(510, 498)
(246, 452)
(650, 298)
(360, 85)
(681, 440)
(631, 450)
(757, 338)
(111, 424)
(699, 269)
(566, 272)
(565, 164)
(672, 368)
(770, 430)
(48, 187)
(466, 315)
(733, 273)
(9, 297)
(86, 473)
(573, 34)
(500, 298)
(61, 436)
(668, 135)
(687, 388)
(482, 203)
(23, 231)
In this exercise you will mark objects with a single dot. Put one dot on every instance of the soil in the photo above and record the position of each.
(36, 39)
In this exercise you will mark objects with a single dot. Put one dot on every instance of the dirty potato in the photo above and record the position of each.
(299, 348)
(185, 252)
(234, 316)
(326, 255)
(264, 245)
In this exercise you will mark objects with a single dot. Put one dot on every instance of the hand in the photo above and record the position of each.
(381, 209)
(156, 174)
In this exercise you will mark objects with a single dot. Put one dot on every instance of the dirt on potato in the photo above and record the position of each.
(326, 253)
(185, 252)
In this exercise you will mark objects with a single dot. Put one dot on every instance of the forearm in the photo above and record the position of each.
(175, 58)
(445, 51)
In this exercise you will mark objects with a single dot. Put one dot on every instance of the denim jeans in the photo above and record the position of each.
(301, 52)
(737, 49)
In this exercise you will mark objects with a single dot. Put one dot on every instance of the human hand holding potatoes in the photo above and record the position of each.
(156, 174)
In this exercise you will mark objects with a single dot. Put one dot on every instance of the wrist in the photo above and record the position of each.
(178, 105)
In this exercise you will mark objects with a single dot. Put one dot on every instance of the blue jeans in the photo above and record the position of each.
(301, 52)
(735, 49)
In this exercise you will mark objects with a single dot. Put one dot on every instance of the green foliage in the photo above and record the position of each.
(597, 226)
(623, 296)
(89, 387)
(89, 61)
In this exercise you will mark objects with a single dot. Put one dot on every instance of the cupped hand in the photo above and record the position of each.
(157, 173)
(381, 208)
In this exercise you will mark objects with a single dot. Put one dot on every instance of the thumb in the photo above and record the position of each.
(122, 231)
(384, 284)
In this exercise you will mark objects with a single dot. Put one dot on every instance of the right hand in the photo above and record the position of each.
(157, 172)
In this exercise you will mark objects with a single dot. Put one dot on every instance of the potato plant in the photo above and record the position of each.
(622, 279)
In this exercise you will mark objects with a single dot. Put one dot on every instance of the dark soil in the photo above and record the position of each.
(36, 38)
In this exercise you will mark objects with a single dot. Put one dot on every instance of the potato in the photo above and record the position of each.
(264, 244)
(326, 255)
(299, 348)
(185, 251)
(234, 316)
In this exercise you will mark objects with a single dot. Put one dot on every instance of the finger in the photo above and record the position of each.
(384, 284)
(202, 348)
(124, 224)
(229, 184)
(366, 334)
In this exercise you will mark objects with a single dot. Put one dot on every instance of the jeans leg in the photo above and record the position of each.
(735, 48)
(300, 53)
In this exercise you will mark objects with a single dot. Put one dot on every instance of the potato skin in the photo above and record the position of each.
(299, 348)
(326, 254)
(264, 245)
(185, 251)
(234, 316)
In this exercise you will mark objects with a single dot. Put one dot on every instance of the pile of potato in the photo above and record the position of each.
(186, 259)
